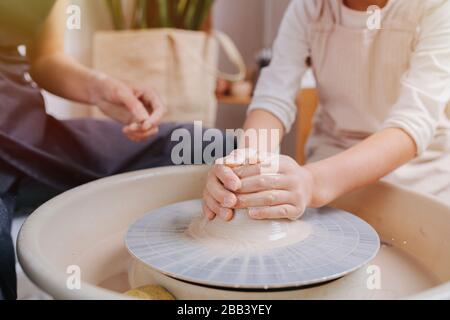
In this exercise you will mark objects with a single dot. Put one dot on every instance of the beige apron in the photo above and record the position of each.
(352, 110)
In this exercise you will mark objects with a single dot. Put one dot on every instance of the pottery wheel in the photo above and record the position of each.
(335, 243)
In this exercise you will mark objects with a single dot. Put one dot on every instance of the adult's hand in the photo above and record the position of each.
(140, 110)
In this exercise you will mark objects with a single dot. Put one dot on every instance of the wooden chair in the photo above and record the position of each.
(307, 103)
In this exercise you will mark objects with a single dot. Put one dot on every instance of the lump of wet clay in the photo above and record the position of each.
(150, 293)
(248, 234)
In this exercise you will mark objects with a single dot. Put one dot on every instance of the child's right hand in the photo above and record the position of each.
(218, 196)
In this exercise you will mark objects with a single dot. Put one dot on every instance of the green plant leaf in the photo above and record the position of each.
(141, 14)
(183, 7)
(115, 7)
(190, 15)
(172, 13)
(202, 13)
(163, 13)
(206, 11)
(183, 14)
(153, 17)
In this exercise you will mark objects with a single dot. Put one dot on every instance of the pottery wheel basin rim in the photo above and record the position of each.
(340, 244)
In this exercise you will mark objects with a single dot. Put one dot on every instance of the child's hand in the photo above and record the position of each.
(282, 195)
(219, 196)
(245, 180)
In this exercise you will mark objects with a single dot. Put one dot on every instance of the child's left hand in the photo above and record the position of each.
(282, 195)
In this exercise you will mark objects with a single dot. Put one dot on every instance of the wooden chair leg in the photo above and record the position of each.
(307, 103)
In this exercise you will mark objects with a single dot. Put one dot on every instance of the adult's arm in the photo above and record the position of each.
(51, 68)
(139, 109)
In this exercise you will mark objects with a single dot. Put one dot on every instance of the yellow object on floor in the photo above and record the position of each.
(150, 293)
